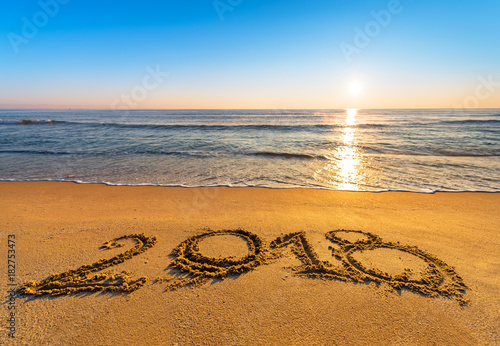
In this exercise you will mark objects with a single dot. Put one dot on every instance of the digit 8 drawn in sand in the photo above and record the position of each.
(438, 279)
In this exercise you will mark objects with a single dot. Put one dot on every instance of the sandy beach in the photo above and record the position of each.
(60, 226)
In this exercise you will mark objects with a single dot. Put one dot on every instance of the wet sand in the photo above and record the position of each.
(269, 291)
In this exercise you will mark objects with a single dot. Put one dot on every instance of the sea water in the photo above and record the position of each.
(423, 150)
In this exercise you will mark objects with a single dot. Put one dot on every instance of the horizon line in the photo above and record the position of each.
(160, 109)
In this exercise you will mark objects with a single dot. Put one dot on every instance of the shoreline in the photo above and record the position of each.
(62, 225)
(245, 186)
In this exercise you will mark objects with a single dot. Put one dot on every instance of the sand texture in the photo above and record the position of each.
(106, 265)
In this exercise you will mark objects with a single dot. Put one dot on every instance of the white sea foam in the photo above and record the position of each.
(243, 186)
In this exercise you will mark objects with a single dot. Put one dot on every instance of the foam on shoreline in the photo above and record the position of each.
(242, 186)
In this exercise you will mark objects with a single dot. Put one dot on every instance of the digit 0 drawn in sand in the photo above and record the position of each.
(199, 268)
(81, 280)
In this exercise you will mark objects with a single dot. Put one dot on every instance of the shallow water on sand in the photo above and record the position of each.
(413, 149)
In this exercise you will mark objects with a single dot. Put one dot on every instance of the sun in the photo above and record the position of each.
(355, 88)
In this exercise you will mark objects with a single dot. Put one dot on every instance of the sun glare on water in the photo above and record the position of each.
(344, 169)
(351, 115)
(347, 154)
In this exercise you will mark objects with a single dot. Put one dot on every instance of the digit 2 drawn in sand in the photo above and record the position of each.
(80, 279)
(195, 268)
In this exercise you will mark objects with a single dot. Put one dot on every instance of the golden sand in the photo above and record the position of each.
(263, 266)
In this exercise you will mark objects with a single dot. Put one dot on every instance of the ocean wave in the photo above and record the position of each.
(217, 127)
(193, 154)
(464, 154)
(288, 155)
(27, 122)
(111, 153)
(268, 154)
(431, 154)
(488, 122)
(37, 152)
(211, 127)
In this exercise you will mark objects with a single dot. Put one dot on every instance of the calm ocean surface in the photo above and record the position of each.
(413, 150)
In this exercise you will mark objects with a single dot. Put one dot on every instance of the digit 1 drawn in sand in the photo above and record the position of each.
(199, 268)
(80, 279)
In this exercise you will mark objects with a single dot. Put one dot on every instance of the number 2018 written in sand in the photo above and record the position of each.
(194, 268)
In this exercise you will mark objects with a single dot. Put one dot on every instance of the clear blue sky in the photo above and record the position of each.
(249, 54)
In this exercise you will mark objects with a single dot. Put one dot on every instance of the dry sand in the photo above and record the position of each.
(60, 227)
